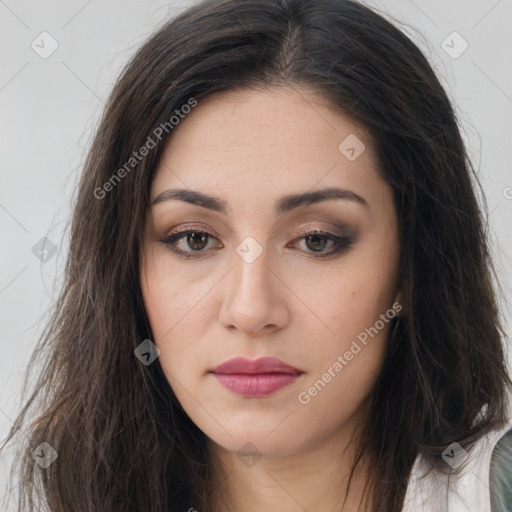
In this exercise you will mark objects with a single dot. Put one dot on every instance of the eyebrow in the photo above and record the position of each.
(283, 205)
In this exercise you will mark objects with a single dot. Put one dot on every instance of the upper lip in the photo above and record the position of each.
(261, 365)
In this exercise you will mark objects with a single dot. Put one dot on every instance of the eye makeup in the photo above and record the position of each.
(185, 242)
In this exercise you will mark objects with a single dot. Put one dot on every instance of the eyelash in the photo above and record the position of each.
(340, 243)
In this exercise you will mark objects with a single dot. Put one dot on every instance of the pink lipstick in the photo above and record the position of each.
(257, 378)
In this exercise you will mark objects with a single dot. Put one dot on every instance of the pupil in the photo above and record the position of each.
(196, 238)
(316, 238)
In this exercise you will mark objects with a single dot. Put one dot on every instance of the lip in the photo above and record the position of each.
(258, 378)
(261, 365)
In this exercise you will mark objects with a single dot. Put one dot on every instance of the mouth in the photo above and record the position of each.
(258, 378)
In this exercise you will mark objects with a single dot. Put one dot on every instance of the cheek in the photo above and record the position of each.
(349, 300)
(345, 369)
(169, 296)
(363, 289)
(179, 313)
(357, 314)
(332, 398)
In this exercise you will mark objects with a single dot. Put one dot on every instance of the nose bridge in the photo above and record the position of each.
(251, 267)
(249, 282)
(251, 300)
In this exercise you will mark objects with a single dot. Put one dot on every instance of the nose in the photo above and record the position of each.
(254, 297)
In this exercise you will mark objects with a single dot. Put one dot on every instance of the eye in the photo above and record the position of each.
(318, 241)
(194, 239)
(190, 243)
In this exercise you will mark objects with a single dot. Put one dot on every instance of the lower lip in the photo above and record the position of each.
(256, 384)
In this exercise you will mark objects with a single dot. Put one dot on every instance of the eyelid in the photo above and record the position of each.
(189, 227)
(335, 228)
(307, 230)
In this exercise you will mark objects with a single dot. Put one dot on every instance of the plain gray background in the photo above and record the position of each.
(50, 106)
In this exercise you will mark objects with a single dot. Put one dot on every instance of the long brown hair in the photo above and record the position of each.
(123, 441)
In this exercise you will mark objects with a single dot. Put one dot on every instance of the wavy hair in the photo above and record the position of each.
(124, 442)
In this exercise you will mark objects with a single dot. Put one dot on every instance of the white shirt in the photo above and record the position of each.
(442, 492)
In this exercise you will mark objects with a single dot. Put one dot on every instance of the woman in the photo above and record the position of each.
(279, 291)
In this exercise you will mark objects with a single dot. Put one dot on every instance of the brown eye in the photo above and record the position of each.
(323, 244)
(190, 243)
(316, 242)
(197, 240)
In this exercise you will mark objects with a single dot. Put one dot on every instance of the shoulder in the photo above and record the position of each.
(485, 484)
(486, 481)
(500, 475)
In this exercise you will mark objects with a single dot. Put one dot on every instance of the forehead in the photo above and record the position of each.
(257, 142)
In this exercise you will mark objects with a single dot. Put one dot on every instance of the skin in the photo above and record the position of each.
(250, 148)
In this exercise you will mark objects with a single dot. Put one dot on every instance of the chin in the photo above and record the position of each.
(256, 445)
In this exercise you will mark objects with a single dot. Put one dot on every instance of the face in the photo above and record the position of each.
(252, 260)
